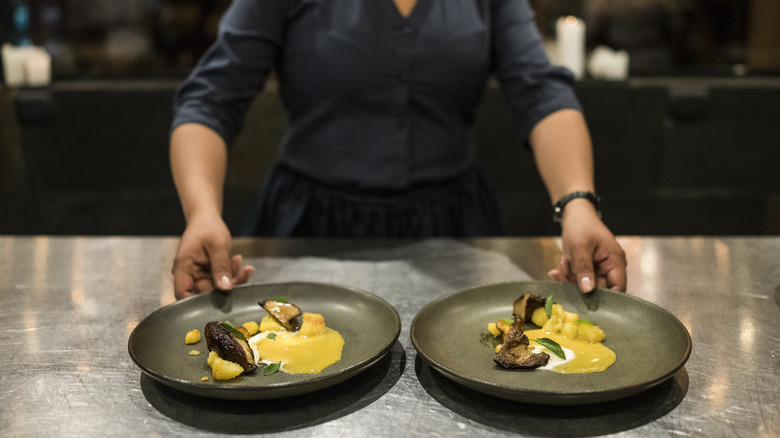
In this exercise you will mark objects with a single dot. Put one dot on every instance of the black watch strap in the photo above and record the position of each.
(559, 206)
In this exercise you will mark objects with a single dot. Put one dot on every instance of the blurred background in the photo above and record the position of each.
(685, 144)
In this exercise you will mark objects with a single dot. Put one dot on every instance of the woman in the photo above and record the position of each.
(380, 98)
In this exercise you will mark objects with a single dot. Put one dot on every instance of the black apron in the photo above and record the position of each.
(293, 205)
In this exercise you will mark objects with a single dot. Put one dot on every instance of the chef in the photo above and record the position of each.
(380, 98)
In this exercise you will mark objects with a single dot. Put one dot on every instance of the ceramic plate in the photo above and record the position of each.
(650, 343)
(369, 325)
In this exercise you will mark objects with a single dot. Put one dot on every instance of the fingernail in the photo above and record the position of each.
(586, 284)
(224, 283)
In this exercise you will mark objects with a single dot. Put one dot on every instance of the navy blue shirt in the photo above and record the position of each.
(375, 100)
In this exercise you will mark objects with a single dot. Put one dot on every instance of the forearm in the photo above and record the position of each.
(198, 163)
(563, 153)
(564, 156)
(591, 255)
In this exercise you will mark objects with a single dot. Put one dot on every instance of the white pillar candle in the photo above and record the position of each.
(26, 66)
(13, 65)
(570, 36)
(37, 68)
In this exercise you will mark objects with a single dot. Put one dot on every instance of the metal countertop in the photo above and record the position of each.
(69, 305)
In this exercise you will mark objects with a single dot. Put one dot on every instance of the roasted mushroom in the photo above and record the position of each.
(287, 314)
(515, 352)
(230, 347)
(524, 306)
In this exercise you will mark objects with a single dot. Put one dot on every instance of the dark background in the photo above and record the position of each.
(688, 145)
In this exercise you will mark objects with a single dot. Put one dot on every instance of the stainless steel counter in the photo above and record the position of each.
(70, 304)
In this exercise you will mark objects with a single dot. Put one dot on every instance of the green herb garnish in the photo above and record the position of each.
(281, 300)
(548, 306)
(583, 321)
(508, 320)
(552, 346)
(229, 327)
(271, 336)
(272, 368)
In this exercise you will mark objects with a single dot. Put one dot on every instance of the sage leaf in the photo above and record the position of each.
(229, 327)
(281, 300)
(272, 368)
(583, 321)
(271, 336)
(548, 306)
(508, 320)
(552, 346)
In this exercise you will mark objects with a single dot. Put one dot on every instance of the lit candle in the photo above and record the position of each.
(570, 34)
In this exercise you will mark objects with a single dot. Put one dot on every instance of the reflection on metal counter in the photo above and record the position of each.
(70, 303)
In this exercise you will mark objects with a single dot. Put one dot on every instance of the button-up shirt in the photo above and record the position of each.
(374, 99)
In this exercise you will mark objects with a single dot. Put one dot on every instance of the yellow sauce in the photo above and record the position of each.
(298, 354)
(588, 357)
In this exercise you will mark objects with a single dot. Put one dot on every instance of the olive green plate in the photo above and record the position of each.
(369, 325)
(650, 343)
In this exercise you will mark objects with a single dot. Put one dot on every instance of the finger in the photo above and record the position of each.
(240, 273)
(582, 262)
(235, 264)
(616, 278)
(221, 266)
(556, 275)
(612, 268)
(182, 289)
(566, 271)
(183, 283)
(244, 274)
(204, 285)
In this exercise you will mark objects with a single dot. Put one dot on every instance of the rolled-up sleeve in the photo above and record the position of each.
(532, 86)
(234, 69)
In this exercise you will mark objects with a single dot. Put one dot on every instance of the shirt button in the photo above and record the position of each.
(408, 30)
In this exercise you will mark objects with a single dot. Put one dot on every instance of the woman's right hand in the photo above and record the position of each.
(203, 261)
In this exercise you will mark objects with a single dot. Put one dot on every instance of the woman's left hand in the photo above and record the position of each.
(592, 257)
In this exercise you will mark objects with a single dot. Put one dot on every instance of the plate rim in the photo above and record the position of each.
(551, 397)
(278, 389)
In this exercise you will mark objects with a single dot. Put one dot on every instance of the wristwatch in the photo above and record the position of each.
(590, 196)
